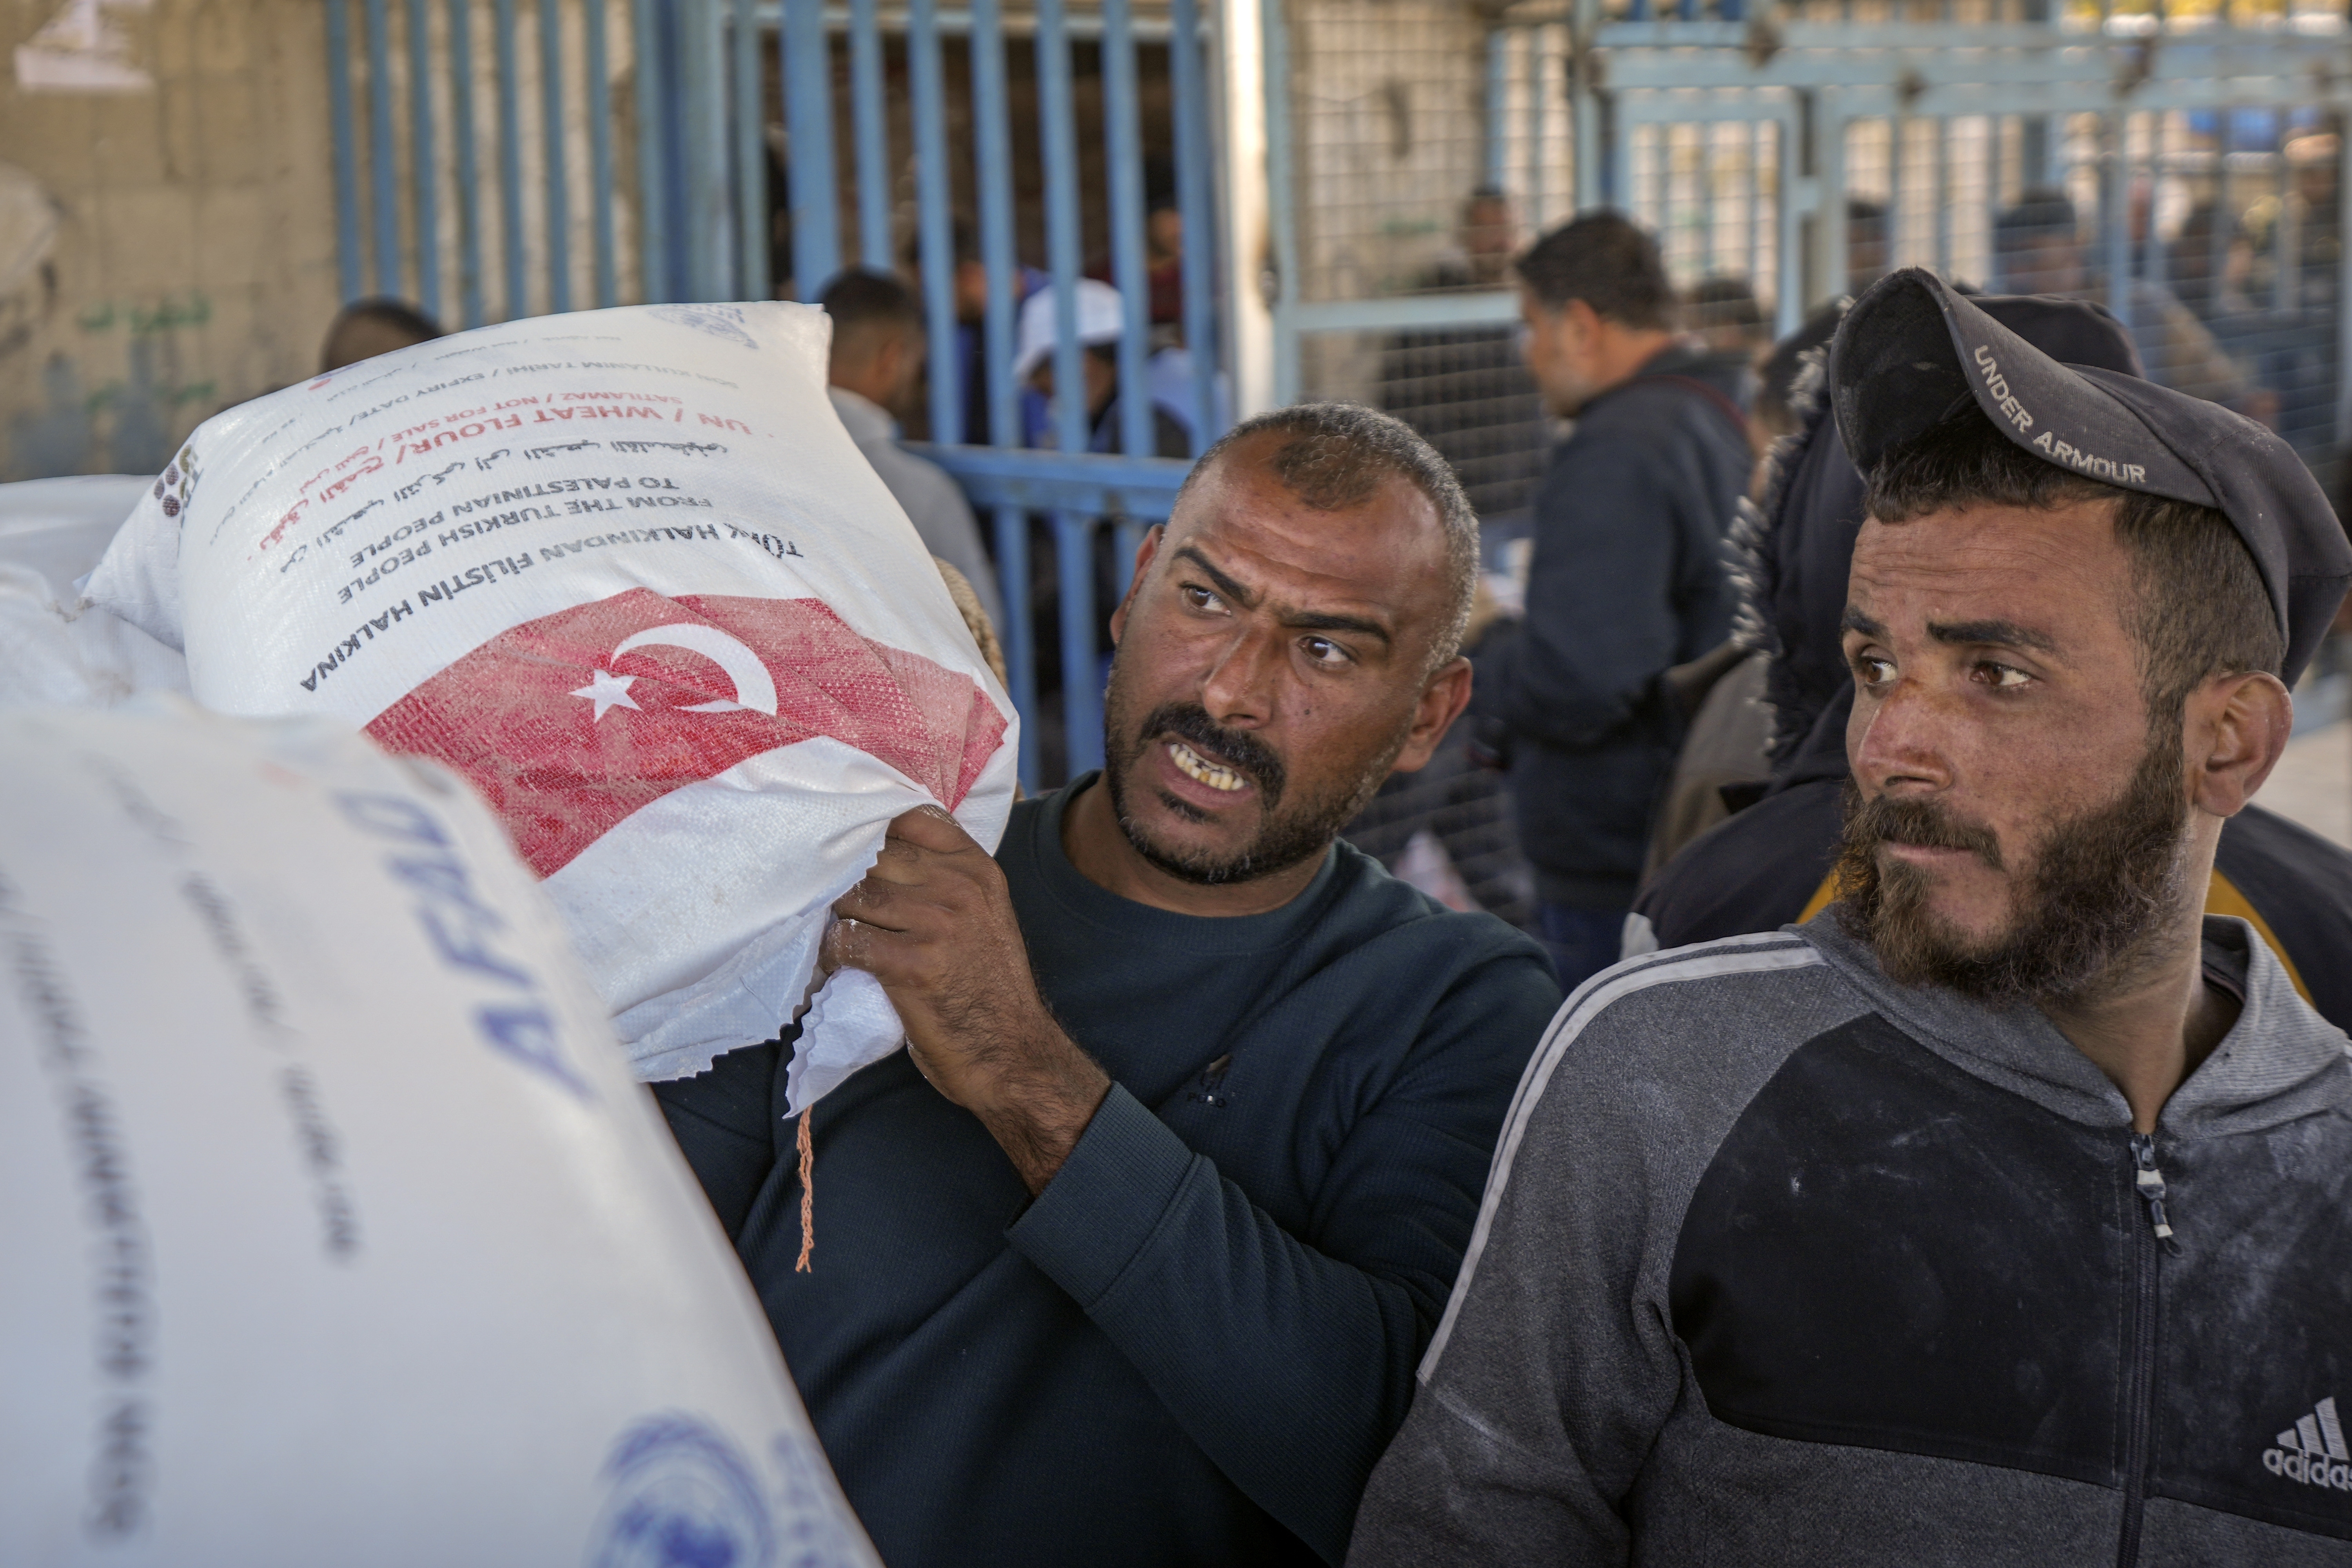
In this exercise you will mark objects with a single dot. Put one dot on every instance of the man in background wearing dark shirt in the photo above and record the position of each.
(1129, 1258)
(1628, 579)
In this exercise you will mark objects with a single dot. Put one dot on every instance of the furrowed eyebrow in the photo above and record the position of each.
(1993, 634)
(1303, 620)
(1854, 620)
(1316, 621)
(1225, 585)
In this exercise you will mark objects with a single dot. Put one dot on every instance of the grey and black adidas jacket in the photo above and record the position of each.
(1782, 1263)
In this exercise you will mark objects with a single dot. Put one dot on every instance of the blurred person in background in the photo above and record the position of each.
(2038, 249)
(1163, 254)
(2214, 268)
(1489, 236)
(1722, 312)
(1869, 243)
(2312, 161)
(876, 370)
(1168, 371)
(970, 293)
(1101, 324)
(2210, 266)
(366, 328)
(1466, 389)
(1628, 578)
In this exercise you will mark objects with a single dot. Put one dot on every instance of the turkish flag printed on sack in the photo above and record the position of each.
(569, 723)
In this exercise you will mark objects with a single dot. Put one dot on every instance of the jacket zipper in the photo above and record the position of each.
(2149, 1182)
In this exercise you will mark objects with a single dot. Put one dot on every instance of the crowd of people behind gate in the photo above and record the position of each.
(1953, 1170)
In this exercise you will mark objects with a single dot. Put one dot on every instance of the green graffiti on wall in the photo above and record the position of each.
(143, 320)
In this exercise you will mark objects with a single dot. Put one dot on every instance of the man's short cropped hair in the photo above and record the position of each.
(380, 325)
(859, 302)
(1333, 457)
(2043, 212)
(1605, 260)
(396, 314)
(1865, 220)
(963, 243)
(2198, 606)
(1722, 302)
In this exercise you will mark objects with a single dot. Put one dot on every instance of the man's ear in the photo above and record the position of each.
(2236, 729)
(1581, 320)
(1144, 555)
(1443, 699)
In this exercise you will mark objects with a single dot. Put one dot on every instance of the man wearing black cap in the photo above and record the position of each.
(1997, 1215)
(1773, 864)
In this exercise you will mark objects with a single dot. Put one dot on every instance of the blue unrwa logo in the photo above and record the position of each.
(682, 1497)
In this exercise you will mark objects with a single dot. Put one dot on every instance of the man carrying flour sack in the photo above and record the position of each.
(1141, 1274)
(1998, 1215)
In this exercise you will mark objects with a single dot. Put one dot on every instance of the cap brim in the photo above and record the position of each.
(1913, 350)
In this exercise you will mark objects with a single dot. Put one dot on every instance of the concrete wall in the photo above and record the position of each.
(167, 243)
(1388, 98)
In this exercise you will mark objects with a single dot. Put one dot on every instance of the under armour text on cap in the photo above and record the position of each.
(1913, 350)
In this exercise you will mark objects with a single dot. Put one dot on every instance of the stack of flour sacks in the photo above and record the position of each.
(549, 682)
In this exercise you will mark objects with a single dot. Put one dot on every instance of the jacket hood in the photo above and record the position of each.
(1796, 538)
(1818, 754)
(2279, 1062)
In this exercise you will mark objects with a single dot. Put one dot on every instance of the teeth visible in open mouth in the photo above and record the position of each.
(1194, 766)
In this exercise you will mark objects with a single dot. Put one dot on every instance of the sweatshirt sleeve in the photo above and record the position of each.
(1601, 620)
(1289, 1359)
(1556, 1368)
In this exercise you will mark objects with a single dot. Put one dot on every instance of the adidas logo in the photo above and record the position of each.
(2312, 1450)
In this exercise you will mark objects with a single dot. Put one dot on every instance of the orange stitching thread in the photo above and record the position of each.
(808, 1194)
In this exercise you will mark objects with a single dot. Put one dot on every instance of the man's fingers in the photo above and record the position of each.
(876, 902)
(899, 909)
(903, 866)
(913, 840)
(853, 944)
(928, 827)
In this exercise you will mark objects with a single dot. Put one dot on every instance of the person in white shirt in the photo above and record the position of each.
(878, 342)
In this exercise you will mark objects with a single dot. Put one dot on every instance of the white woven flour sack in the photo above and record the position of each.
(625, 572)
(336, 1230)
(57, 651)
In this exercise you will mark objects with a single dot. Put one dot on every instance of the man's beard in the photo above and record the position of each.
(2102, 884)
(1284, 837)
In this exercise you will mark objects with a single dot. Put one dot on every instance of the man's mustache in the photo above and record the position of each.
(1926, 826)
(1245, 754)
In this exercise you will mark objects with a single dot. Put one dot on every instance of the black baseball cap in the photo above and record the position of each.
(1913, 350)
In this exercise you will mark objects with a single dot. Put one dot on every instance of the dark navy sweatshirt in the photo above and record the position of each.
(1194, 1344)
